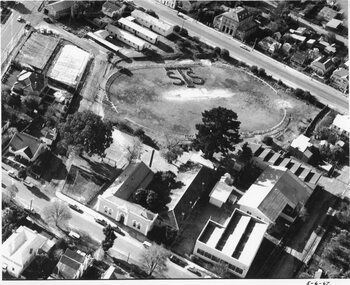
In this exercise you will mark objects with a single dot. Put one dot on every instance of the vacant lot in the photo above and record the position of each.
(172, 105)
(82, 185)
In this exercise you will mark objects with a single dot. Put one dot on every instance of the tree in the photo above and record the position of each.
(219, 132)
(31, 102)
(12, 191)
(154, 259)
(247, 153)
(22, 173)
(57, 212)
(110, 236)
(151, 199)
(225, 54)
(140, 196)
(134, 151)
(13, 100)
(110, 55)
(176, 29)
(183, 32)
(88, 131)
(217, 51)
(172, 154)
(152, 13)
(221, 269)
(267, 140)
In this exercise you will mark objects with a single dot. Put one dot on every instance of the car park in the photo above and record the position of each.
(75, 208)
(101, 222)
(194, 270)
(178, 261)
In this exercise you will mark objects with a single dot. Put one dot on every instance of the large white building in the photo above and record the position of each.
(19, 250)
(234, 244)
(130, 26)
(152, 23)
(341, 124)
(127, 38)
(277, 193)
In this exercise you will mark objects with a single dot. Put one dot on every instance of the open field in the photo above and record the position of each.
(163, 103)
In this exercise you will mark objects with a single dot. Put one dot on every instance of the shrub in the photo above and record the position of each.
(225, 54)
(183, 32)
(176, 29)
(262, 72)
(217, 50)
(254, 69)
(268, 140)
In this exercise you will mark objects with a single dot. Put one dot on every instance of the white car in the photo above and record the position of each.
(19, 19)
(28, 184)
(245, 47)
(11, 173)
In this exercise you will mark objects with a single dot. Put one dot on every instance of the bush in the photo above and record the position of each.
(254, 69)
(225, 54)
(268, 140)
(176, 29)
(217, 51)
(183, 32)
(262, 72)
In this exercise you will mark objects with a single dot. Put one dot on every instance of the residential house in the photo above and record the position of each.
(20, 249)
(234, 244)
(26, 146)
(196, 181)
(330, 50)
(115, 201)
(298, 38)
(72, 265)
(58, 9)
(170, 3)
(327, 14)
(127, 38)
(237, 22)
(190, 5)
(341, 124)
(277, 193)
(299, 58)
(340, 78)
(137, 30)
(286, 48)
(221, 191)
(322, 65)
(310, 43)
(301, 148)
(154, 24)
(269, 44)
(334, 25)
(113, 9)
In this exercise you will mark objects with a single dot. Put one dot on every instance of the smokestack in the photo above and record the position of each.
(151, 160)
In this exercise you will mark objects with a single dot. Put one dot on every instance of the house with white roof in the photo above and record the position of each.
(235, 243)
(115, 201)
(340, 78)
(20, 249)
(341, 124)
(130, 26)
(127, 38)
(301, 148)
(221, 191)
(152, 23)
(277, 193)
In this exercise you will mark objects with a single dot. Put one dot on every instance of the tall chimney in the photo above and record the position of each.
(151, 160)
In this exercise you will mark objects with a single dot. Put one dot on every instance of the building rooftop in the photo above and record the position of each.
(221, 191)
(238, 14)
(150, 19)
(240, 239)
(301, 142)
(341, 72)
(334, 24)
(128, 36)
(69, 264)
(60, 5)
(138, 28)
(273, 189)
(22, 142)
(342, 122)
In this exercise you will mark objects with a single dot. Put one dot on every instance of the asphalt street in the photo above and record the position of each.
(324, 93)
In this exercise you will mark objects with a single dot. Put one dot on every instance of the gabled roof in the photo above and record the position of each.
(25, 143)
(341, 73)
(323, 62)
(61, 5)
(69, 264)
(299, 57)
(111, 6)
(237, 14)
(273, 190)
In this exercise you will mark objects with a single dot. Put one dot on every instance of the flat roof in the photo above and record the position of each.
(240, 239)
(104, 42)
(342, 122)
(301, 142)
(150, 19)
(221, 191)
(138, 28)
(128, 36)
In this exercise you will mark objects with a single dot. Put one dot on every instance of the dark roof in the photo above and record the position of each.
(24, 141)
(237, 14)
(111, 6)
(74, 255)
(299, 57)
(248, 26)
(288, 189)
(69, 264)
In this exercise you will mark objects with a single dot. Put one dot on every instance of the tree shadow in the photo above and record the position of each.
(164, 47)
(21, 8)
(55, 169)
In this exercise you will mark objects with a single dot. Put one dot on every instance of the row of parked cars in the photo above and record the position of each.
(183, 263)
(12, 174)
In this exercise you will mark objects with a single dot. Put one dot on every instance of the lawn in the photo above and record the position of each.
(148, 97)
(82, 185)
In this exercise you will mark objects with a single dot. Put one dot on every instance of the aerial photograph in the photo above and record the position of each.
(175, 139)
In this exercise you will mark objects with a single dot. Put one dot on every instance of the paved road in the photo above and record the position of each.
(326, 94)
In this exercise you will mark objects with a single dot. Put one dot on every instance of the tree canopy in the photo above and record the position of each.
(57, 212)
(219, 132)
(154, 259)
(87, 131)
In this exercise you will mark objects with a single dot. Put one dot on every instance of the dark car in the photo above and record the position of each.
(101, 222)
(48, 20)
(75, 208)
(194, 271)
(178, 261)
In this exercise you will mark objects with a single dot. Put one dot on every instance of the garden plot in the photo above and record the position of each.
(37, 50)
(171, 100)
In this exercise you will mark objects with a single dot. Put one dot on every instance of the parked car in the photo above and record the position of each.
(20, 19)
(118, 230)
(245, 47)
(194, 270)
(75, 208)
(101, 222)
(147, 244)
(178, 261)
(48, 20)
(28, 184)
(12, 174)
(74, 235)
